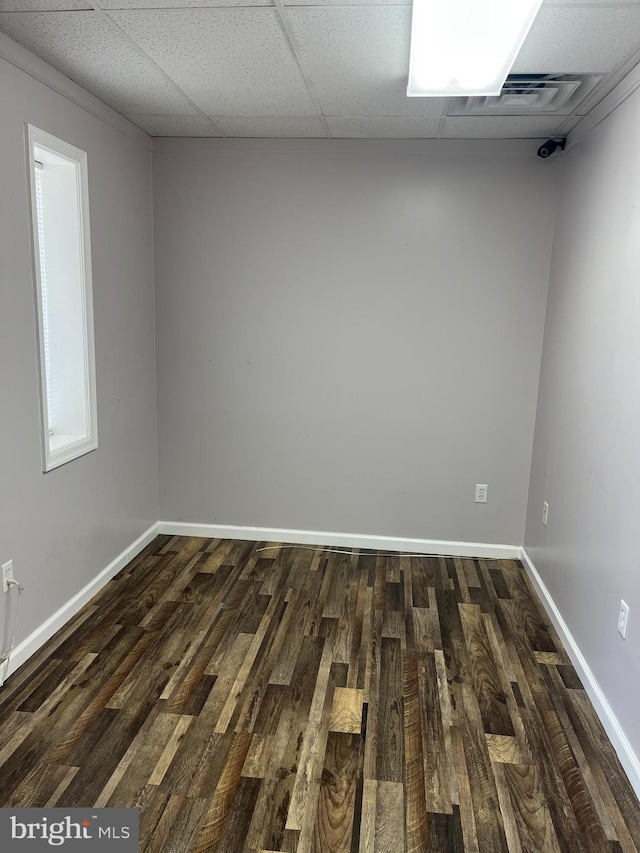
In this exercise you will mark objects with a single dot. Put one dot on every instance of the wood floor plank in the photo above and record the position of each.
(312, 700)
(255, 765)
(563, 817)
(389, 829)
(484, 670)
(533, 820)
(243, 673)
(467, 816)
(435, 714)
(372, 696)
(488, 822)
(368, 816)
(211, 828)
(529, 614)
(390, 717)
(503, 749)
(312, 745)
(44, 784)
(415, 790)
(267, 826)
(336, 801)
(178, 825)
(575, 785)
(346, 711)
(445, 832)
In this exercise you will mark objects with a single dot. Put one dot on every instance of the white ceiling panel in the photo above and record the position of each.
(501, 127)
(90, 50)
(272, 126)
(399, 127)
(175, 125)
(358, 59)
(42, 5)
(607, 85)
(228, 61)
(257, 70)
(575, 39)
(178, 4)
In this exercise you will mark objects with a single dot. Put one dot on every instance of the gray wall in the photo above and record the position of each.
(587, 449)
(62, 528)
(349, 333)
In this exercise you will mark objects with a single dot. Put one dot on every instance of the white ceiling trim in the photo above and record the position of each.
(625, 88)
(23, 59)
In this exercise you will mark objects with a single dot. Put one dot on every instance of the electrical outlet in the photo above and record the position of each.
(623, 619)
(7, 575)
(545, 513)
(481, 493)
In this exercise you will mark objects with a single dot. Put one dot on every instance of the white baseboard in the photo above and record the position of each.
(440, 547)
(24, 650)
(39, 637)
(623, 748)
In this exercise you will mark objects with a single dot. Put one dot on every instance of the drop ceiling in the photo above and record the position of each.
(312, 68)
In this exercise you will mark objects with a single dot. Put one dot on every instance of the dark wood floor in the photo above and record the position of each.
(301, 700)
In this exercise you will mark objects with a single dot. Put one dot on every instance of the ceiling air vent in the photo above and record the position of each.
(530, 94)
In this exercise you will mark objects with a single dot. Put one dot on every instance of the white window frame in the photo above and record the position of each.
(68, 452)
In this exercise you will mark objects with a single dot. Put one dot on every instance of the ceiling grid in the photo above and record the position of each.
(310, 68)
(207, 121)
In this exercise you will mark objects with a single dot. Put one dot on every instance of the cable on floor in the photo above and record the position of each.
(350, 552)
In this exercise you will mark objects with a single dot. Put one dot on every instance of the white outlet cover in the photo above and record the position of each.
(481, 493)
(623, 619)
(7, 574)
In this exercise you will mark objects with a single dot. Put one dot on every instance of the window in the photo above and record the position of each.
(62, 254)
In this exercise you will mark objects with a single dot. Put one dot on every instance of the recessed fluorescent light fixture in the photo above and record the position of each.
(465, 47)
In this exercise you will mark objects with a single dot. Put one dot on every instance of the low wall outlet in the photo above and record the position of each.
(623, 619)
(7, 575)
(481, 493)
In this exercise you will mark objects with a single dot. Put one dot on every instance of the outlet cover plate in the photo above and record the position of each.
(623, 619)
(7, 575)
(481, 493)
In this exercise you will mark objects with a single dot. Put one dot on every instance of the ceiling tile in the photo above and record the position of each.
(90, 50)
(399, 127)
(175, 125)
(228, 61)
(575, 39)
(609, 83)
(270, 126)
(178, 4)
(358, 59)
(42, 5)
(501, 127)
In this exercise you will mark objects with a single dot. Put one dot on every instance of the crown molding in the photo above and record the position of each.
(617, 96)
(21, 58)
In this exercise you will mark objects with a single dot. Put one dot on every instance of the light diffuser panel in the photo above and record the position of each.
(466, 47)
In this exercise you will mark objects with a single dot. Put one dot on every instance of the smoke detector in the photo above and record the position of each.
(530, 94)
